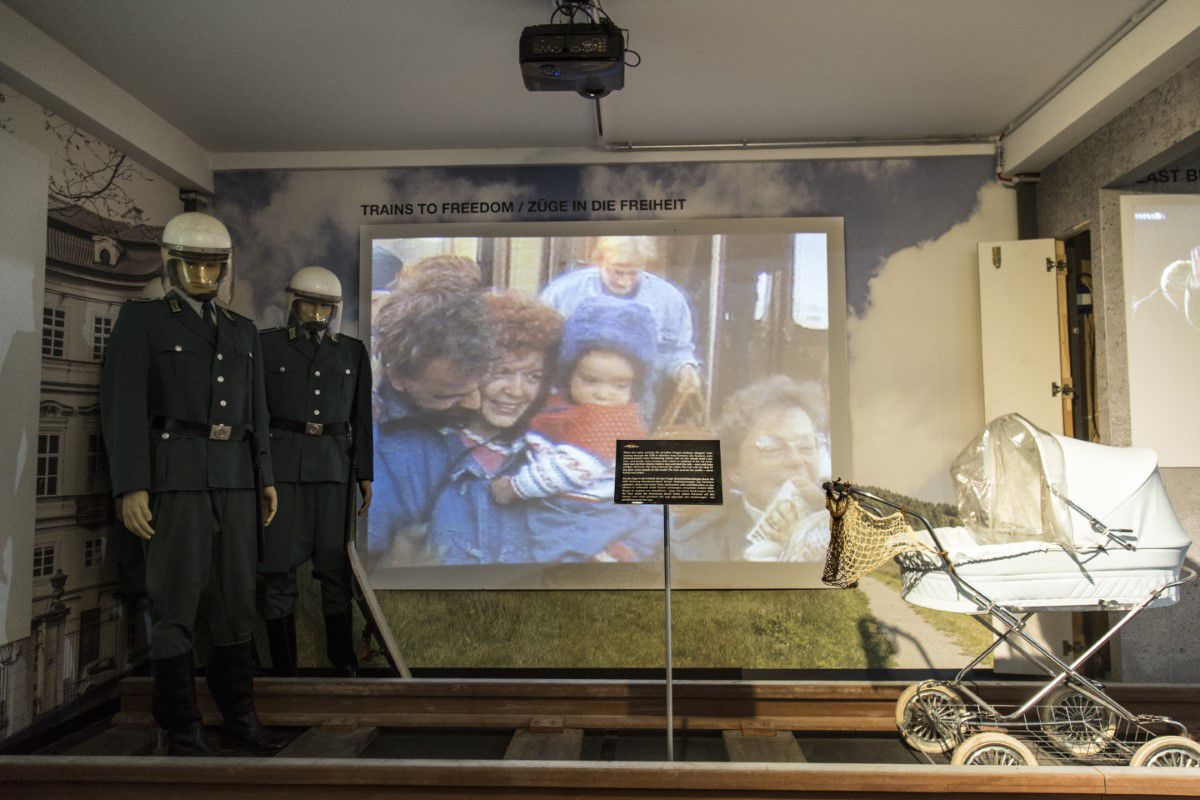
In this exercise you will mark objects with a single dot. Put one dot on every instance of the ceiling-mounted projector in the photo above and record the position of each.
(589, 59)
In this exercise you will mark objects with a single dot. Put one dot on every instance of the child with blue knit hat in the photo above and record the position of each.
(607, 353)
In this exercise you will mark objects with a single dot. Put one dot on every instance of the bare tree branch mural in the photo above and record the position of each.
(95, 175)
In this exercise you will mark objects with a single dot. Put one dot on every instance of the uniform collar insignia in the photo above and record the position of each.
(174, 304)
(292, 334)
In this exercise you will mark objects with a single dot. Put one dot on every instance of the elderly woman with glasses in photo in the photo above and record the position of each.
(775, 454)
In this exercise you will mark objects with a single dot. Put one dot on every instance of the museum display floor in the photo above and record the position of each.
(565, 738)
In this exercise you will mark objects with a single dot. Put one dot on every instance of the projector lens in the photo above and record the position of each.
(550, 71)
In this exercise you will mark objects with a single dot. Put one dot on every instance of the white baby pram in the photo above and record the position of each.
(1050, 523)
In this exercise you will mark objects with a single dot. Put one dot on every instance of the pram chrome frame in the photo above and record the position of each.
(978, 713)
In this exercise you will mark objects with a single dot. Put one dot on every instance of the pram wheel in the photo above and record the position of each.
(993, 749)
(1077, 724)
(1167, 751)
(928, 715)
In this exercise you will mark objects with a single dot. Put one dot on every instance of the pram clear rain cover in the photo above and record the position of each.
(1011, 483)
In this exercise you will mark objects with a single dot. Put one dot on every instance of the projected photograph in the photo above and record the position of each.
(1161, 255)
(507, 367)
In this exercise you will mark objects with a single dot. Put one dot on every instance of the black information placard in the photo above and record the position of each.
(669, 472)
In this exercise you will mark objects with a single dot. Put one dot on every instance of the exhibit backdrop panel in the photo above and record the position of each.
(759, 309)
(25, 173)
(1160, 243)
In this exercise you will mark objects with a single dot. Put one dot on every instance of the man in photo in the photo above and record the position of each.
(434, 345)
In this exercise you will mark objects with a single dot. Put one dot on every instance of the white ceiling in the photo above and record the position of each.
(284, 75)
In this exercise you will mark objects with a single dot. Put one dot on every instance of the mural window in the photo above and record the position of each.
(43, 561)
(89, 638)
(810, 282)
(101, 330)
(54, 331)
(93, 552)
(97, 462)
(47, 464)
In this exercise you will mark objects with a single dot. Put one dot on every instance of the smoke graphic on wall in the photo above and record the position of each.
(916, 376)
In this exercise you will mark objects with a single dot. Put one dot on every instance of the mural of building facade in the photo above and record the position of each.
(101, 250)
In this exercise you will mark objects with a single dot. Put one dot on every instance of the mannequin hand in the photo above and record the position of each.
(270, 504)
(365, 488)
(503, 492)
(687, 379)
(135, 513)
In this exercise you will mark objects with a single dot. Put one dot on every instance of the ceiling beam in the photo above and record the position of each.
(363, 159)
(1166, 41)
(44, 71)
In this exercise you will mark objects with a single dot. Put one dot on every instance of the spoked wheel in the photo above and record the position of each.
(928, 716)
(1167, 751)
(993, 750)
(1075, 723)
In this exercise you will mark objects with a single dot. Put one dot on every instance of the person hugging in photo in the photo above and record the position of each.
(607, 354)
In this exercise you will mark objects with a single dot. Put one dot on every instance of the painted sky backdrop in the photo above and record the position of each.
(916, 387)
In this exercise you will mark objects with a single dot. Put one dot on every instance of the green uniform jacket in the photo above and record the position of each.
(332, 385)
(164, 360)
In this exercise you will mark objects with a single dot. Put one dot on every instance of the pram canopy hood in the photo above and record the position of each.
(1010, 482)
(1013, 481)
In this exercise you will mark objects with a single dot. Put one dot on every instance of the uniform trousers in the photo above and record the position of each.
(200, 563)
(311, 523)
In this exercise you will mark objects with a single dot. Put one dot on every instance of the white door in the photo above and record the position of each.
(1022, 331)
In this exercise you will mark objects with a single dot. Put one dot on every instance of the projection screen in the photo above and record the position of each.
(1160, 245)
(501, 477)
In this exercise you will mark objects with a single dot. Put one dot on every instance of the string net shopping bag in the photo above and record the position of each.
(860, 541)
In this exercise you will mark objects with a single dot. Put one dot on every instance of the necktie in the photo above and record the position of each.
(208, 312)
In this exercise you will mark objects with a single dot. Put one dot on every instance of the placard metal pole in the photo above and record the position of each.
(667, 586)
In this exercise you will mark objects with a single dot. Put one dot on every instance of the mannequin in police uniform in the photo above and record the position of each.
(185, 424)
(319, 395)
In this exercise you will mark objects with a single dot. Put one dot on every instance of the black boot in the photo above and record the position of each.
(281, 637)
(231, 681)
(339, 644)
(174, 706)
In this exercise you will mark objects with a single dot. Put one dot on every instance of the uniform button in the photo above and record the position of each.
(220, 379)
(347, 372)
(316, 391)
(283, 369)
(317, 412)
(166, 435)
(220, 357)
(317, 374)
(178, 348)
(223, 404)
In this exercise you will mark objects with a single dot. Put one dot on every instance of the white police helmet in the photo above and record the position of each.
(197, 254)
(314, 300)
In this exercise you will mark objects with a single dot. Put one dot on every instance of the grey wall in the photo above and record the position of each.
(1156, 131)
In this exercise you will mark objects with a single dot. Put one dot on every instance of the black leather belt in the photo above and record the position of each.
(199, 430)
(311, 428)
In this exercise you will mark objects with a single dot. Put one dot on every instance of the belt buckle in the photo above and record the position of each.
(221, 433)
(314, 428)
